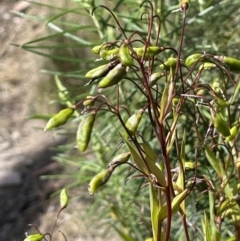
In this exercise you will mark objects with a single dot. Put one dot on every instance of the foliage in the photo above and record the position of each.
(162, 104)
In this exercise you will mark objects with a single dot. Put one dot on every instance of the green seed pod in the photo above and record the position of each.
(90, 101)
(232, 63)
(201, 92)
(234, 211)
(222, 103)
(189, 165)
(62, 90)
(233, 131)
(155, 77)
(192, 59)
(217, 85)
(207, 65)
(59, 119)
(120, 159)
(98, 72)
(98, 48)
(34, 237)
(175, 101)
(84, 131)
(184, 4)
(226, 204)
(220, 125)
(64, 198)
(133, 122)
(113, 77)
(219, 99)
(125, 56)
(100, 179)
(109, 54)
(150, 52)
(170, 63)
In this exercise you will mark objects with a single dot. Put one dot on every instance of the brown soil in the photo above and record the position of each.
(25, 153)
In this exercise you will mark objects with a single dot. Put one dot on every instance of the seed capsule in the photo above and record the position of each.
(226, 204)
(207, 65)
(62, 90)
(155, 77)
(189, 165)
(64, 198)
(175, 101)
(90, 101)
(100, 179)
(220, 125)
(232, 63)
(222, 103)
(120, 159)
(184, 4)
(150, 52)
(59, 119)
(192, 59)
(109, 54)
(125, 56)
(233, 131)
(133, 122)
(113, 77)
(34, 237)
(98, 48)
(170, 63)
(98, 72)
(219, 99)
(84, 131)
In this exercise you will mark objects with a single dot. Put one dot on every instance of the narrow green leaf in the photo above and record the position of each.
(67, 34)
(123, 235)
(171, 134)
(177, 200)
(150, 153)
(214, 162)
(236, 92)
(56, 35)
(216, 235)
(180, 181)
(136, 157)
(206, 228)
(154, 211)
(53, 56)
(61, 14)
(142, 166)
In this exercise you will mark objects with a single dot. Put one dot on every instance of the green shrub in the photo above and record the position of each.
(158, 118)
